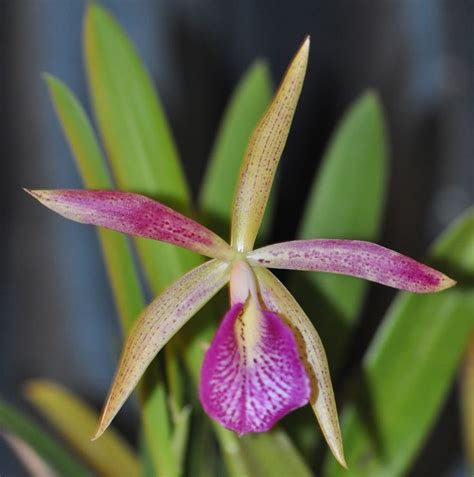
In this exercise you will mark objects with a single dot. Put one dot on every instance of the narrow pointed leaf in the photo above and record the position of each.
(143, 159)
(156, 422)
(129, 112)
(158, 323)
(182, 426)
(136, 135)
(133, 214)
(263, 154)
(410, 365)
(119, 262)
(79, 134)
(246, 106)
(355, 258)
(93, 169)
(279, 300)
(55, 455)
(346, 202)
(34, 464)
(76, 422)
(203, 453)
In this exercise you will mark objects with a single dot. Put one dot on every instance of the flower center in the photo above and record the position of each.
(242, 283)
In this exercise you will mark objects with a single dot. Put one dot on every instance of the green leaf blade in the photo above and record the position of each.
(129, 113)
(80, 135)
(48, 449)
(346, 202)
(136, 135)
(76, 422)
(410, 365)
(118, 257)
(93, 169)
(143, 159)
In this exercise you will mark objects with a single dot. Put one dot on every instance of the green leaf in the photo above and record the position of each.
(182, 423)
(272, 453)
(410, 366)
(118, 257)
(255, 455)
(346, 202)
(203, 456)
(128, 111)
(76, 422)
(93, 169)
(48, 449)
(248, 103)
(80, 135)
(136, 135)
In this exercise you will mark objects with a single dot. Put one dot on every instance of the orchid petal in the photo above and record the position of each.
(134, 214)
(263, 154)
(158, 323)
(355, 258)
(279, 300)
(252, 375)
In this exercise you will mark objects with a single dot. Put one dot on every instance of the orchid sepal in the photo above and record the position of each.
(134, 214)
(278, 299)
(157, 325)
(263, 154)
(355, 258)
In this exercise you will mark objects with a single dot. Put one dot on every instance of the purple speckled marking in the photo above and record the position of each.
(353, 257)
(133, 214)
(249, 390)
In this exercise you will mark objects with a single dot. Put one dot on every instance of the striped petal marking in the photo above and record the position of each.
(252, 374)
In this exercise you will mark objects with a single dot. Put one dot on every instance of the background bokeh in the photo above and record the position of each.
(58, 319)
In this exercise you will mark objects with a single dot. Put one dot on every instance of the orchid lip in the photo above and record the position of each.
(252, 374)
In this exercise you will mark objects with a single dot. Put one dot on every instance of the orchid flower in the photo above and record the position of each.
(266, 358)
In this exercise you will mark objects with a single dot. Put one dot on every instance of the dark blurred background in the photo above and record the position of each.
(57, 311)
